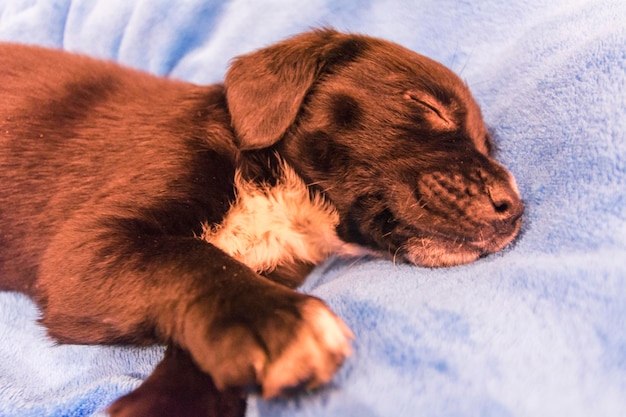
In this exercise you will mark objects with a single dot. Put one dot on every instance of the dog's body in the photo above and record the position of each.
(140, 210)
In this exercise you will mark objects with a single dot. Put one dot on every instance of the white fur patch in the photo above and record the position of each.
(269, 226)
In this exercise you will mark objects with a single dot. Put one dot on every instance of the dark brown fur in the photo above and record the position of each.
(107, 175)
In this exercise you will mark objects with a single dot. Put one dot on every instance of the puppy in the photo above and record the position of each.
(135, 209)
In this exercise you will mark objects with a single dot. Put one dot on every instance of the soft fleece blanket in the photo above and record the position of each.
(536, 330)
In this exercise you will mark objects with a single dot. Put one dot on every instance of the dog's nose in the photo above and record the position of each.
(506, 203)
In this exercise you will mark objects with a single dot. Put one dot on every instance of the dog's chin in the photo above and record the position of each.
(435, 252)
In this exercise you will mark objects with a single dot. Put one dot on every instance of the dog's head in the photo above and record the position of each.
(393, 139)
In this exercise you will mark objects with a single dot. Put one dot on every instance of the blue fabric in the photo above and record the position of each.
(537, 330)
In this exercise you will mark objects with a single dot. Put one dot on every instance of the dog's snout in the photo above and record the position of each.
(506, 204)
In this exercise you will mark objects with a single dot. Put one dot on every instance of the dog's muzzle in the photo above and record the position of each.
(460, 218)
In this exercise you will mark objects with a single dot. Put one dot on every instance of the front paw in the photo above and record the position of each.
(280, 344)
(311, 358)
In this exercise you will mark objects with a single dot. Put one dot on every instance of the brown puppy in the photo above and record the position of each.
(140, 210)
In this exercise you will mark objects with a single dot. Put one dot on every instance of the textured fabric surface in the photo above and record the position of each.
(536, 330)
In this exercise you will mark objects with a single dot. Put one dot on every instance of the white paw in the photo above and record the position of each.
(311, 359)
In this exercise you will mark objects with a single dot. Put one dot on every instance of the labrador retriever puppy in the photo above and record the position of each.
(142, 210)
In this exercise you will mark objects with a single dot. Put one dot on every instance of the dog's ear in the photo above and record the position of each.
(266, 88)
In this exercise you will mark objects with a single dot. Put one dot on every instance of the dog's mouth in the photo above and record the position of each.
(436, 230)
(441, 250)
(428, 246)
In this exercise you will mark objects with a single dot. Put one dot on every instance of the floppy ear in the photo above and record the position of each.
(266, 88)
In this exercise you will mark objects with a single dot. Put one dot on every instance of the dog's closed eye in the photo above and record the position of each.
(438, 115)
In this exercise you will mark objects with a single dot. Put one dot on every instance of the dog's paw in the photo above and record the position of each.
(280, 347)
(320, 346)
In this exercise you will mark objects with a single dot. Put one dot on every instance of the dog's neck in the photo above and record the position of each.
(279, 225)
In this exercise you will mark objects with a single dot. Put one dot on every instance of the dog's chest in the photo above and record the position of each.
(267, 227)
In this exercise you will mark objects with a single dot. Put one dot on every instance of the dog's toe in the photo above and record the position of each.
(312, 357)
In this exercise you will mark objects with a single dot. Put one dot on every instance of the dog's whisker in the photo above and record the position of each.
(469, 56)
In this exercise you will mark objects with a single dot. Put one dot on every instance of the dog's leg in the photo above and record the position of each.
(177, 388)
(124, 282)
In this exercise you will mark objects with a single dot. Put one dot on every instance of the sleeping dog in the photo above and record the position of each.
(141, 210)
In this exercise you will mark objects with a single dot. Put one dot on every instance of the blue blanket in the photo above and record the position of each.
(536, 330)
